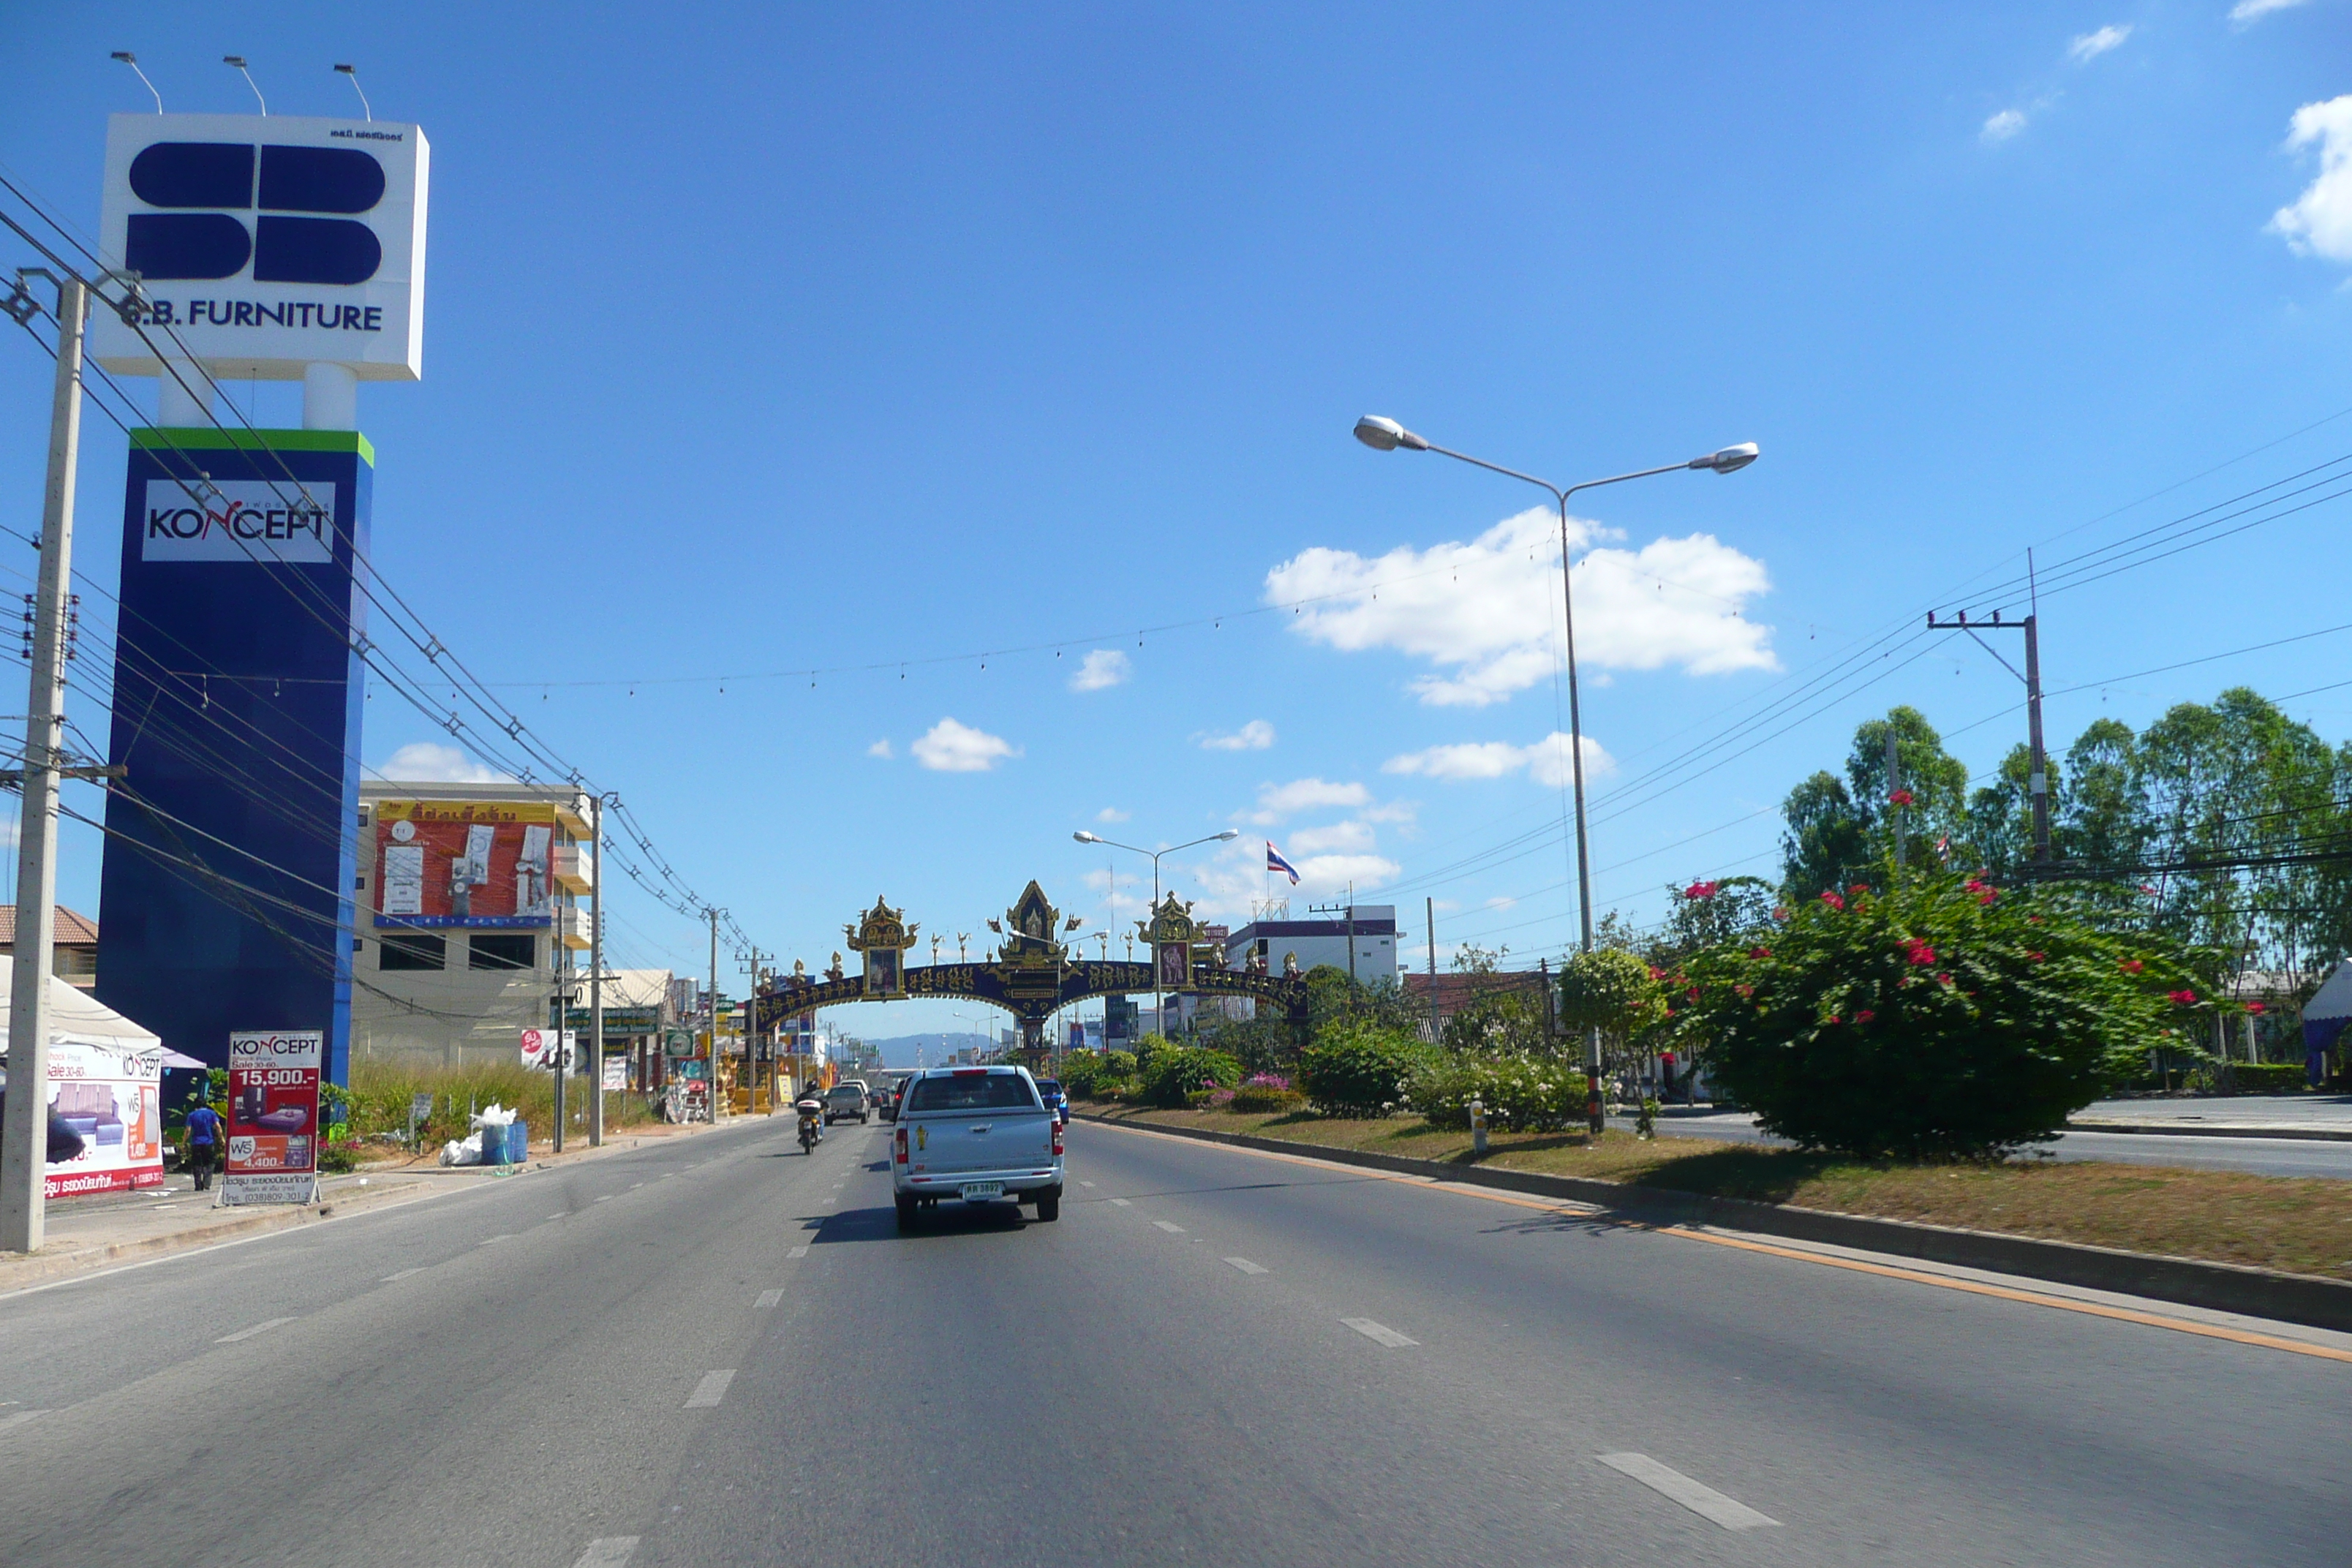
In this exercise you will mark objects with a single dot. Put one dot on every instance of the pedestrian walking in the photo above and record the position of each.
(203, 1142)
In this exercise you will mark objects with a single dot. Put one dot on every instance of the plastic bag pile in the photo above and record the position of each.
(467, 1151)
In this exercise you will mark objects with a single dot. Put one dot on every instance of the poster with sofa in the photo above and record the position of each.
(273, 1116)
(106, 1081)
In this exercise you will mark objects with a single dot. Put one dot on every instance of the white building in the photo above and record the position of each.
(1369, 930)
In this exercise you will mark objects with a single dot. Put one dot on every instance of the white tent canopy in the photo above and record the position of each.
(2334, 997)
(77, 1015)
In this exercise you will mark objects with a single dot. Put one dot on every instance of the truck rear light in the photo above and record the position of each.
(1057, 1136)
(901, 1141)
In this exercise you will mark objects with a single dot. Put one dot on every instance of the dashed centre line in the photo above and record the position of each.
(1702, 1500)
(710, 1390)
(403, 1274)
(260, 1328)
(494, 1240)
(1245, 1265)
(1170, 1229)
(767, 1299)
(608, 1552)
(1379, 1333)
(1085, 1183)
(797, 1252)
(1122, 1203)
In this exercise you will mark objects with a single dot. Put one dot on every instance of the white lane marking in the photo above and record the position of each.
(555, 1217)
(634, 1186)
(18, 1419)
(261, 1328)
(1245, 1265)
(606, 1199)
(1703, 1500)
(1122, 1203)
(1170, 1229)
(838, 1185)
(403, 1274)
(1379, 1333)
(494, 1240)
(608, 1552)
(767, 1299)
(797, 1252)
(710, 1390)
(1085, 1183)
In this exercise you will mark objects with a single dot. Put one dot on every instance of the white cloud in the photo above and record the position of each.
(1546, 760)
(422, 762)
(948, 747)
(1106, 666)
(1487, 612)
(879, 748)
(1112, 814)
(1353, 836)
(1320, 874)
(1276, 802)
(1254, 736)
(1500, 903)
(2246, 13)
(2320, 221)
(2003, 126)
(2091, 45)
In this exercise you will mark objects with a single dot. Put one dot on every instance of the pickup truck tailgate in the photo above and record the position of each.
(1000, 1140)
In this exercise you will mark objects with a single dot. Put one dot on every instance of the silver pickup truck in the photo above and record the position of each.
(978, 1134)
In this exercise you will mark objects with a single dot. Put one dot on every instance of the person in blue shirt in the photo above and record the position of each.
(204, 1143)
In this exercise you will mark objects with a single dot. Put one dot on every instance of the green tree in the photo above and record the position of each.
(1839, 831)
(1496, 1015)
(1611, 991)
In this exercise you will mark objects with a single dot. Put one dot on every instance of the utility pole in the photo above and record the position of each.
(751, 961)
(1429, 920)
(24, 1142)
(1894, 784)
(2037, 777)
(596, 971)
(714, 1013)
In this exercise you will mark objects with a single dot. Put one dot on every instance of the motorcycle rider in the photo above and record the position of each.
(812, 1120)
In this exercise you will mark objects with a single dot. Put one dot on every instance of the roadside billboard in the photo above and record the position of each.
(111, 1098)
(472, 865)
(265, 244)
(273, 1116)
(540, 1049)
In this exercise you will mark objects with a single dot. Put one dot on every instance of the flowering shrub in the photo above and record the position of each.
(1522, 1094)
(1360, 1069)
(1177, 1072)
(1255, 1099)
(2027, 1012)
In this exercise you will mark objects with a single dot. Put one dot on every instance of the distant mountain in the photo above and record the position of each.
(899, 1051)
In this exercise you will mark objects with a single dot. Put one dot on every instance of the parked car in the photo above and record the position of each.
(977, 1134)
(844, 1101)
(1050, 1092)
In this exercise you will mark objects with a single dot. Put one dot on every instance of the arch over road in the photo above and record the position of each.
(1033, 974)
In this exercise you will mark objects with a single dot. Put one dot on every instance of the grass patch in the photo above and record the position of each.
(2297, 1224)
(379, 1099)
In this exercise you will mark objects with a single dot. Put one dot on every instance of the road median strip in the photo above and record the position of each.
(2306, 1300)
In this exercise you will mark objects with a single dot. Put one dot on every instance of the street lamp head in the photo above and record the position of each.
(1083, 836)
(1386, 434)
(1229, 834)
(1729, 460)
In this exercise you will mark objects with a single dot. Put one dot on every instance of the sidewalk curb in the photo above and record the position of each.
(2143, 1129)
(2217, 1287)
(21, 1269)
(18, 1270)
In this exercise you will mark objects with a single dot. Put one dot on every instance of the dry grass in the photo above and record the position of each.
(2300, 1226)
(380, 1097)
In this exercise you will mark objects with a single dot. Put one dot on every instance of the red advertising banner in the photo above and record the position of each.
(109, 1097)
(464, 863)
(273, 1116)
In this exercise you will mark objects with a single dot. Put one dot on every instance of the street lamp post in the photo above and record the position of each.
(1159, 997)
(1387, 436)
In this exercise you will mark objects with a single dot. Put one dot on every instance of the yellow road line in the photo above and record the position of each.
(1888, 1271)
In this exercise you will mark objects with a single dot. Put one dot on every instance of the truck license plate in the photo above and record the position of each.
(975, 1191)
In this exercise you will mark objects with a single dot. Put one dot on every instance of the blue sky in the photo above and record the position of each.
(874, 342)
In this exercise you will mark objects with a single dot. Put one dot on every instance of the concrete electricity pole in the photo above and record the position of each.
(752, 960)
(597, 970)
(714, 1013)
(24, 1142)
(2037, 776)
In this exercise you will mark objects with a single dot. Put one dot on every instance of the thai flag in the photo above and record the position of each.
(1275, 862)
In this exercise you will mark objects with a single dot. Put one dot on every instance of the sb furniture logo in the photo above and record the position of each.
(263, 246)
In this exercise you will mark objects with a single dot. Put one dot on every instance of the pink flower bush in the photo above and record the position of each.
(1832, 900)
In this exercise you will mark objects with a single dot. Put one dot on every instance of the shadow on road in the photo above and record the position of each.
(950, 1219)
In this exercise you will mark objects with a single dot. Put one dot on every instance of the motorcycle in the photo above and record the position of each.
(812, 1115)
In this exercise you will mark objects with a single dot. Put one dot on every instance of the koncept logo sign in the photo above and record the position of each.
(239, 520)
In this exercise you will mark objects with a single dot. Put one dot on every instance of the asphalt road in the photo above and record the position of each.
(2200, 1151)
(1213, 1356)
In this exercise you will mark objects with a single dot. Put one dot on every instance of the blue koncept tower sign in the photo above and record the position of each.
(286, 249)
(225, 899)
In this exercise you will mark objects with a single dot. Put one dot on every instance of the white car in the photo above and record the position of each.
(975, 1134)
(846, 1099)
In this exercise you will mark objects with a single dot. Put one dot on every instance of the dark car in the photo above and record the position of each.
(1050, 1092)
